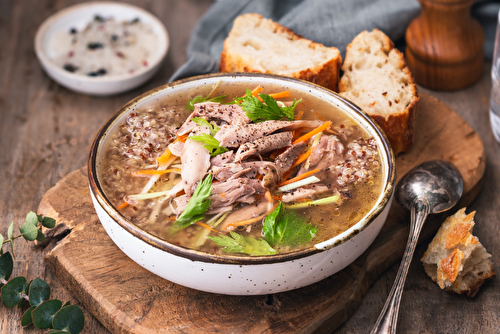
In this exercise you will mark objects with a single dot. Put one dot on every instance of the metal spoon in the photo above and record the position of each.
(432, 187)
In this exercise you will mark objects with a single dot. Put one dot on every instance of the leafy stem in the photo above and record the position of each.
(43, 312)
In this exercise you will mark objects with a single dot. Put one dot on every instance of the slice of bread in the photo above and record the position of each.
(257, 44)
(455, 259)
(377, 79)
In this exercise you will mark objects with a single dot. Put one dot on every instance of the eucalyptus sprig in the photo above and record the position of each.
(43, 312)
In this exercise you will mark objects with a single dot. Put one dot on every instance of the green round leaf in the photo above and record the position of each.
(48, 222)
(12, 291)
(21, 302)
(32, 218)
(10, 230)
(39, 292)
(69, 318)
(41, 237)
(28, 287)
(6, 266)
(12, 247)
(29, 231)
(26, 319)
(45, 312)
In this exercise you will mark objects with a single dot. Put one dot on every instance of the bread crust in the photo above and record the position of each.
(325, 74)
(399, 127)
(455, 259)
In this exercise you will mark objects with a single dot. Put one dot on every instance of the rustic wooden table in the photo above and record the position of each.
(46, 132)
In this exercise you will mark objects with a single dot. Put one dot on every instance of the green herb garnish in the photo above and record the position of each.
(286, 228)
(196, 207)
(210, 143)
(200, 99)
(237, 243)
(211, 126)
(267, 110)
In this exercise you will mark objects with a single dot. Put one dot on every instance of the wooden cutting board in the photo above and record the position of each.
(126, 298)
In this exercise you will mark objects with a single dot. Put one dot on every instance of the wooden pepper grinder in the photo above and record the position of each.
(444, 45)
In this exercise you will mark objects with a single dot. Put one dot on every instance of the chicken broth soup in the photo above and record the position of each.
(232, 169)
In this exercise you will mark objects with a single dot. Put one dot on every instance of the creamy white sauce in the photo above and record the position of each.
(105, 47)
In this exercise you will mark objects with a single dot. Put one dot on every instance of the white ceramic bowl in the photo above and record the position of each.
(79, 16)
(238, 275)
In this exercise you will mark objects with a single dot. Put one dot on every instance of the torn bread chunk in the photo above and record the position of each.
(455, 259)
(257, 44)
(377, 79)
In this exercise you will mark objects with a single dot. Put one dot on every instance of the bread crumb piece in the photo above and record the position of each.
(455, 259)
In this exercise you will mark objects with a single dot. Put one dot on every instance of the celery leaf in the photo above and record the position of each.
(210, 143)
(267, 110)
(237, 243)
(196, 207)
(286, 228)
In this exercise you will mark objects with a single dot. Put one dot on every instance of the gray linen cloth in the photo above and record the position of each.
(330, 22)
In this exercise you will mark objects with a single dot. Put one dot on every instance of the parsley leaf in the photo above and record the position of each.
(210, 143)
(237, 243)
(200, 99)
(211, 126)
(267, 110)
(287, 228)
(196, 207)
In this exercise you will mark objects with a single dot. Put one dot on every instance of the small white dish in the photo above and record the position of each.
(78, 17)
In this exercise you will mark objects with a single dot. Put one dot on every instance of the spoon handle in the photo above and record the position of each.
(388, 318)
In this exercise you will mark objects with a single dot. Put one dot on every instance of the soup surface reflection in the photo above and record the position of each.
(231, 171)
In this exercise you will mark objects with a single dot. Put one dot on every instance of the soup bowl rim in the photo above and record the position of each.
(196, 255)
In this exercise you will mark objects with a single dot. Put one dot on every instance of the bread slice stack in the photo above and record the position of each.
(257, 44)
(377, 79)
(376, 76)
(455, 259)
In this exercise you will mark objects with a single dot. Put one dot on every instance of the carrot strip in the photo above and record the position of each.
(257, 90)
(121, 206)
(296, 133)
(269, 197)
(298, 178)
(299, 115)
(164, 157)
(280, 94)
(320, 117)
(301, 158)
(276, 95)
(332, 131)
(182, 138)
(287, 174)
(274, 154)
(146, 172)
(167, 154)
(308, 135)
(202, 224)
(251, 221)
(277, 197)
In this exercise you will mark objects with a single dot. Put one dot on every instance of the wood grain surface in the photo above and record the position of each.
(128, 299)
(444, 45)
(46, 132)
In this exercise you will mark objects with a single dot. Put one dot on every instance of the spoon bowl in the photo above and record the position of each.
(439, 181)
(431, 187)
